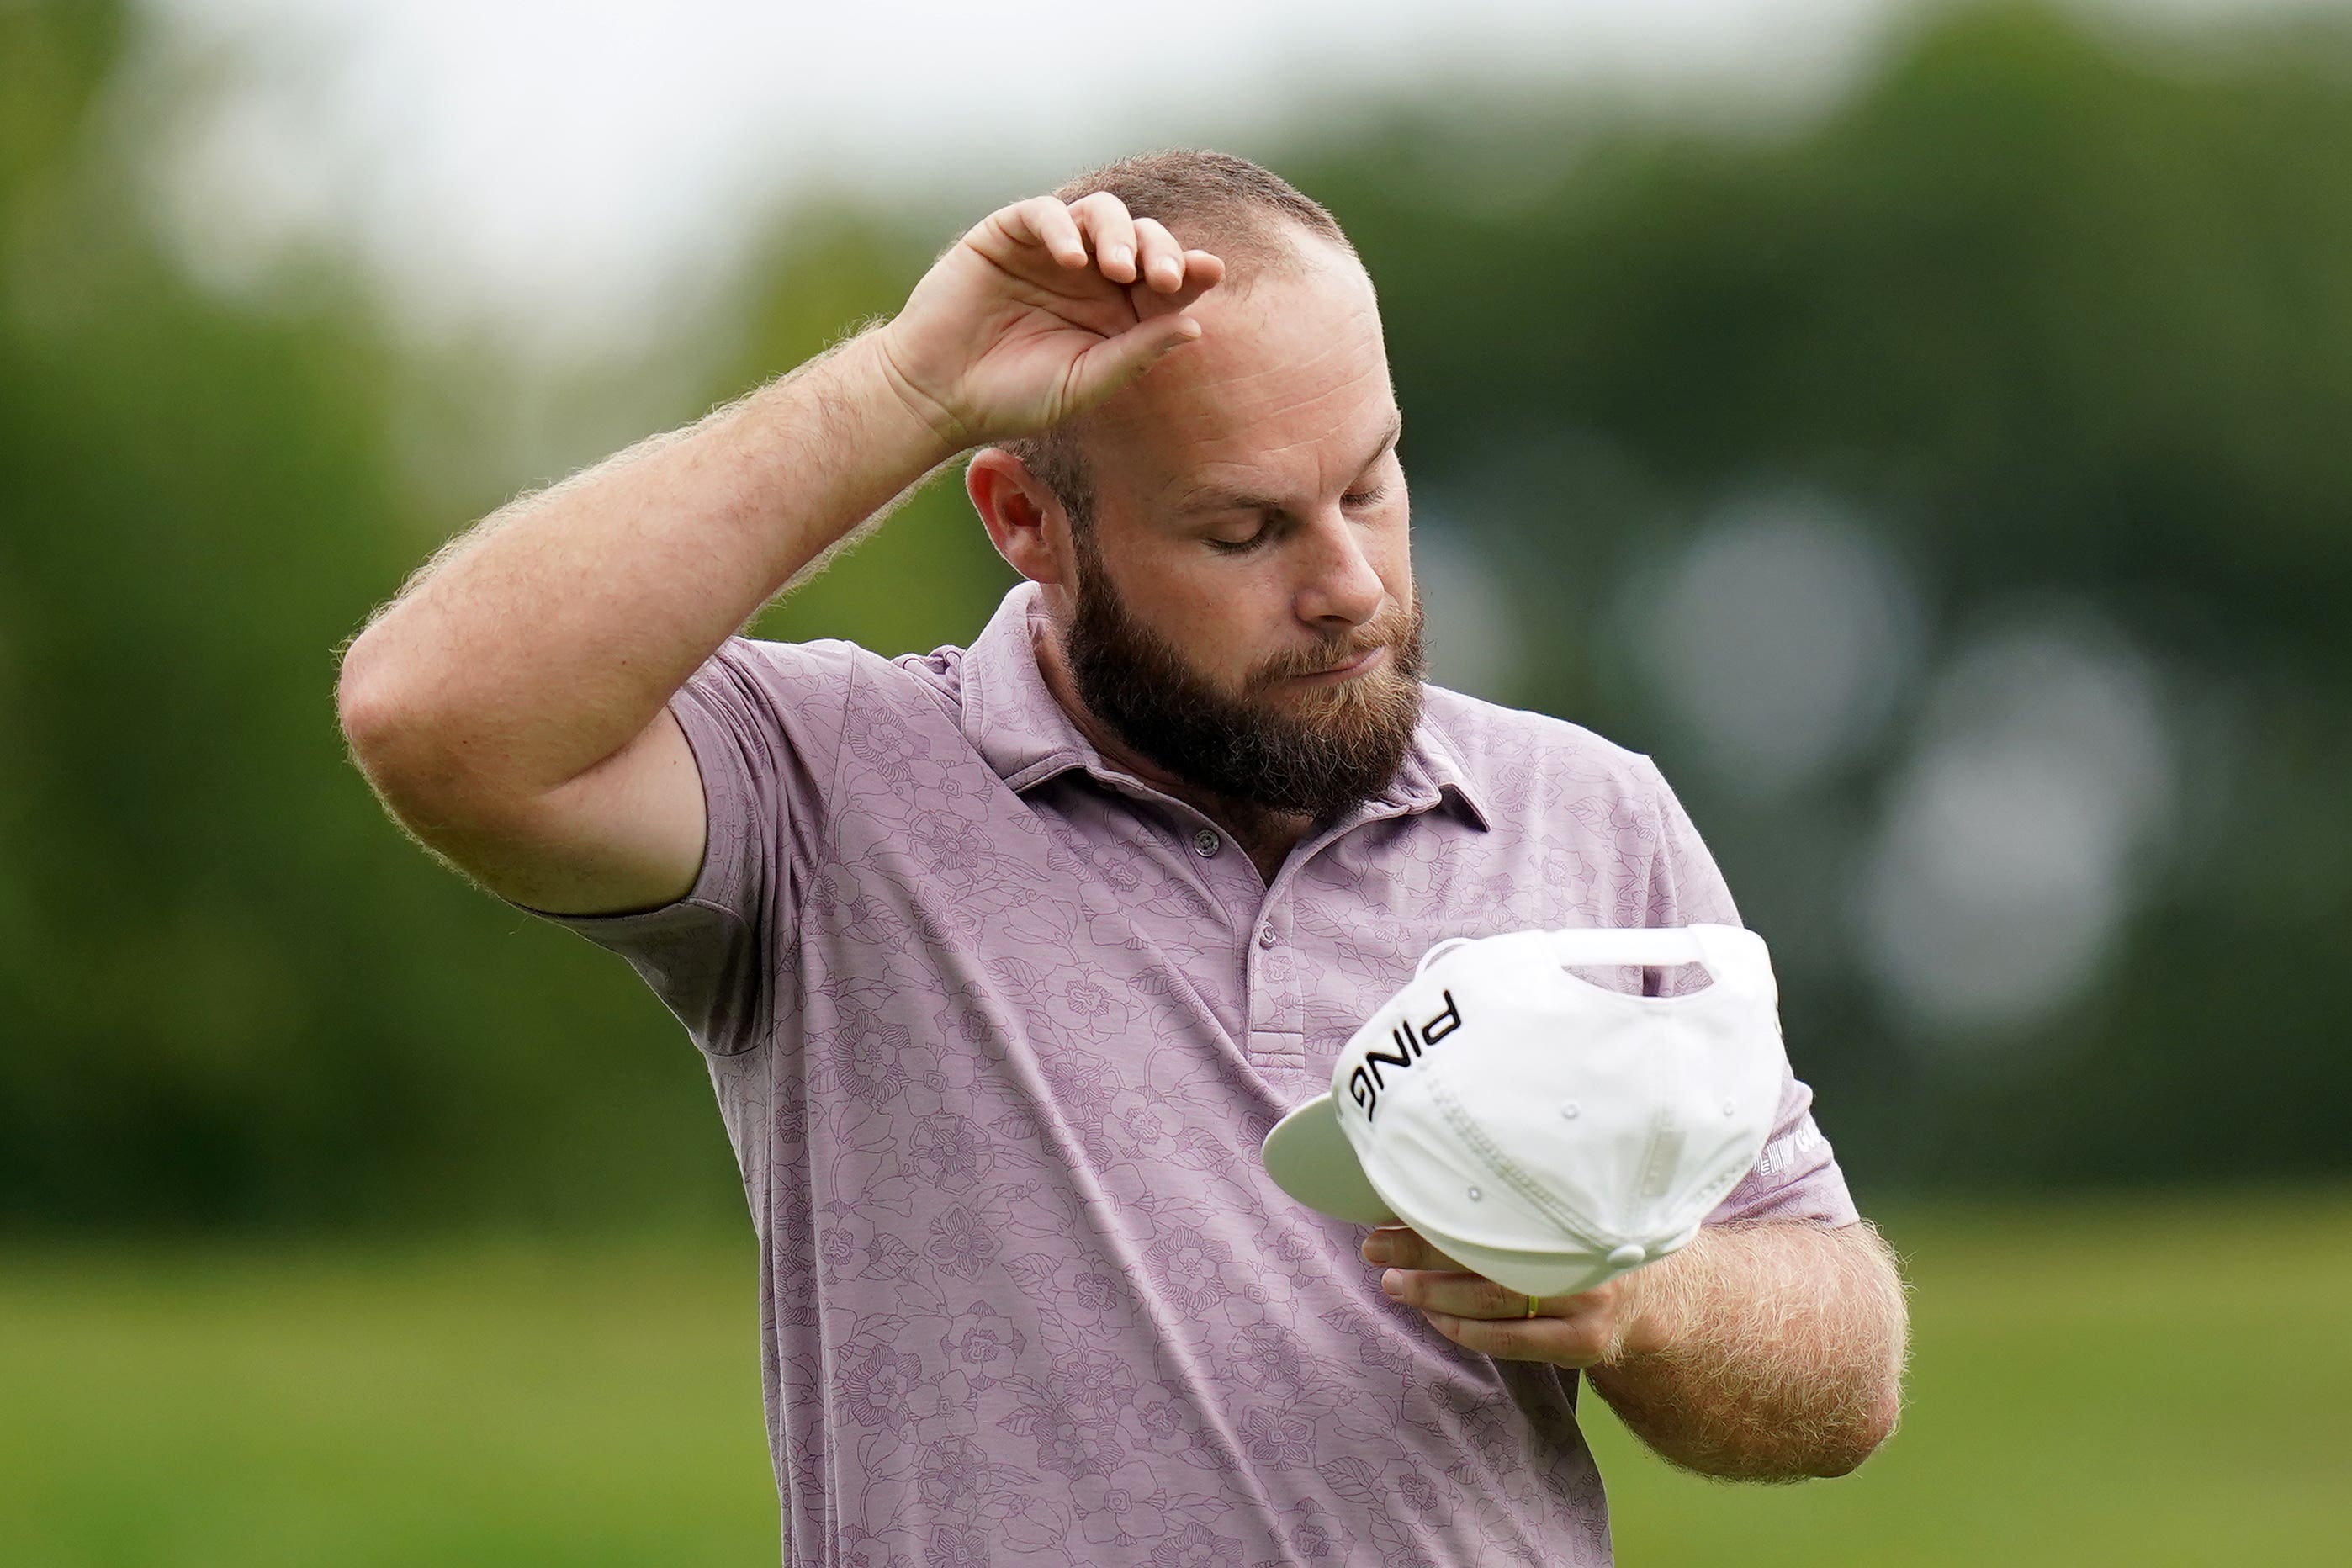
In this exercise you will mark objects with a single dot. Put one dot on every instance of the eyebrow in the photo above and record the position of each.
(1218, 500)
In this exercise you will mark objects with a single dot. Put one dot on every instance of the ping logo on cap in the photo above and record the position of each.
(1365, 1083)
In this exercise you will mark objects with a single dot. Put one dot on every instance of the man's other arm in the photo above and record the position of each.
(1763, 1351)
(510, 705)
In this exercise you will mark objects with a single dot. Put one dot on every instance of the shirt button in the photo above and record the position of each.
(1205, 844)
(1266, 936)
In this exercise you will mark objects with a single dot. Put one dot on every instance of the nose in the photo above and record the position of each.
(1339, 589)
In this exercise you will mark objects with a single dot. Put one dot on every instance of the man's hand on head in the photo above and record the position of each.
(1042, 310)
(1593, 1327)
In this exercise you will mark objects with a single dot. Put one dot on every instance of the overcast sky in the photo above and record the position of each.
(559, 162)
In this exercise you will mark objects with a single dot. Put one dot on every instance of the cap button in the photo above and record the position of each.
(1628, 1256)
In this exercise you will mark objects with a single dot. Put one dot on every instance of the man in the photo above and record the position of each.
(1003, 959)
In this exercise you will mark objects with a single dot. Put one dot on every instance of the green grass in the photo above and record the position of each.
(2114, 1383)
(348, 1409)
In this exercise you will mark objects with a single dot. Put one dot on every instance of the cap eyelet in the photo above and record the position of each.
(1571, 1111)
(1474, 1194)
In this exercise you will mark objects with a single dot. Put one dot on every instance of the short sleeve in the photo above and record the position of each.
(1797, 1176)
(764, 722)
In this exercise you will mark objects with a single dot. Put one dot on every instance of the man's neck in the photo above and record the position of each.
(1266, 836)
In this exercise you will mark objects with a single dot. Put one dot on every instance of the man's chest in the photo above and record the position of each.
(1122, 927)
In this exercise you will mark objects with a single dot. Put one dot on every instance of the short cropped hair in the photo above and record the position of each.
(1249, 216)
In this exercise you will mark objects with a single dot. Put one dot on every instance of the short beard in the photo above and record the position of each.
(1344, 745)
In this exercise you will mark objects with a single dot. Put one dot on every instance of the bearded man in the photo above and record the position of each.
(1003, 959)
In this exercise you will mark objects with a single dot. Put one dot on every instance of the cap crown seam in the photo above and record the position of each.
(1545, 1201)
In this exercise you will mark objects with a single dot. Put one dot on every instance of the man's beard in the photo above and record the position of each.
(1340, 745)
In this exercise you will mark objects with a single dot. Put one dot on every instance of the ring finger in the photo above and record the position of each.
(1456, 1295)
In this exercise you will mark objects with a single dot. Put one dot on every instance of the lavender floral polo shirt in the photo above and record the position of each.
(996, 1030)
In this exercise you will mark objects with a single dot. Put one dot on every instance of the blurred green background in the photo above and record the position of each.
(1948, 486)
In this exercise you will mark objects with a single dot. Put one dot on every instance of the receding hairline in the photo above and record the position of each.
(1214, 201)
(1257, 223)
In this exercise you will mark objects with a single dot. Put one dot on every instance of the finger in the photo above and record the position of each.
(1203, 270)
(1157, 256)
(1456, 1294)
(1111, 365)
(1543, 1339)
(1578, 1340)
(1560, 1341)
(1102, 218)
(1500, 1338)
(1043, 221)
(1406, 1248)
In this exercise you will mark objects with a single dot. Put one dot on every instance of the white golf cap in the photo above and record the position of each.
(1547, 1132)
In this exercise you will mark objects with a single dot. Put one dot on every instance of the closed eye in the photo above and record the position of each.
(1353, 500)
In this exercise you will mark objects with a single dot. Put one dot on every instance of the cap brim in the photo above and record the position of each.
(1309, 1158)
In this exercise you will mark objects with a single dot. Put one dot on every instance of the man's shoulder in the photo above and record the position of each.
(837, 665)
(1512, 751)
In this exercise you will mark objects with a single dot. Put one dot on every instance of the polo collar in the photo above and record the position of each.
(1011, 719)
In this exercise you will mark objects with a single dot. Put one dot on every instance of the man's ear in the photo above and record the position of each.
(1024, 520)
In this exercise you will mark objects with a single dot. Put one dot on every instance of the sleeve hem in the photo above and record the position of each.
(723, 799)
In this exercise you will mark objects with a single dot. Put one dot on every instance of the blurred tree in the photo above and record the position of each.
(2061, 322)
(2072, 320)
(229, 990)
(929, 576)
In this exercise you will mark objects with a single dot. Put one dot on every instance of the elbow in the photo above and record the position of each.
(366, 705)
(1842, 1451)
(395, 738)
(1842, 1458)
(1869, 1406)
(378, 716)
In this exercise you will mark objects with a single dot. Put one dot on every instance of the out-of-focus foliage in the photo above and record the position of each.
(2066, 327)
(2063, 332)
(229, 990)
(929, 576)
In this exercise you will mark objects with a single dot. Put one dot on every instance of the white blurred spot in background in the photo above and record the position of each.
(590, 167)
(1473, 638)
(593, 170)
(1780, 638)
(2038, 793)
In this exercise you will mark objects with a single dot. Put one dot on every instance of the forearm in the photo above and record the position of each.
(551, 635)
(1764, 1351)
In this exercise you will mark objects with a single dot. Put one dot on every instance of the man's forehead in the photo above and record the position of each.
(1209, 489)
(1292, 374)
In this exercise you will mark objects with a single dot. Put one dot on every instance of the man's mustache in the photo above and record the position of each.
(1386, 632)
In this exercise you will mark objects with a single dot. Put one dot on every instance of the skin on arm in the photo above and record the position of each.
(510, 706)
(1760, 1352)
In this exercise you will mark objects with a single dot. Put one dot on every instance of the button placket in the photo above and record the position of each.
(1277, 1036)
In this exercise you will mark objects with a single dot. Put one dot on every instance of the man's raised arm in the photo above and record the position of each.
(509, 706)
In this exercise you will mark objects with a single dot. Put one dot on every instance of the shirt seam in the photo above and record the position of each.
(764, 1023)
(830, 842)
